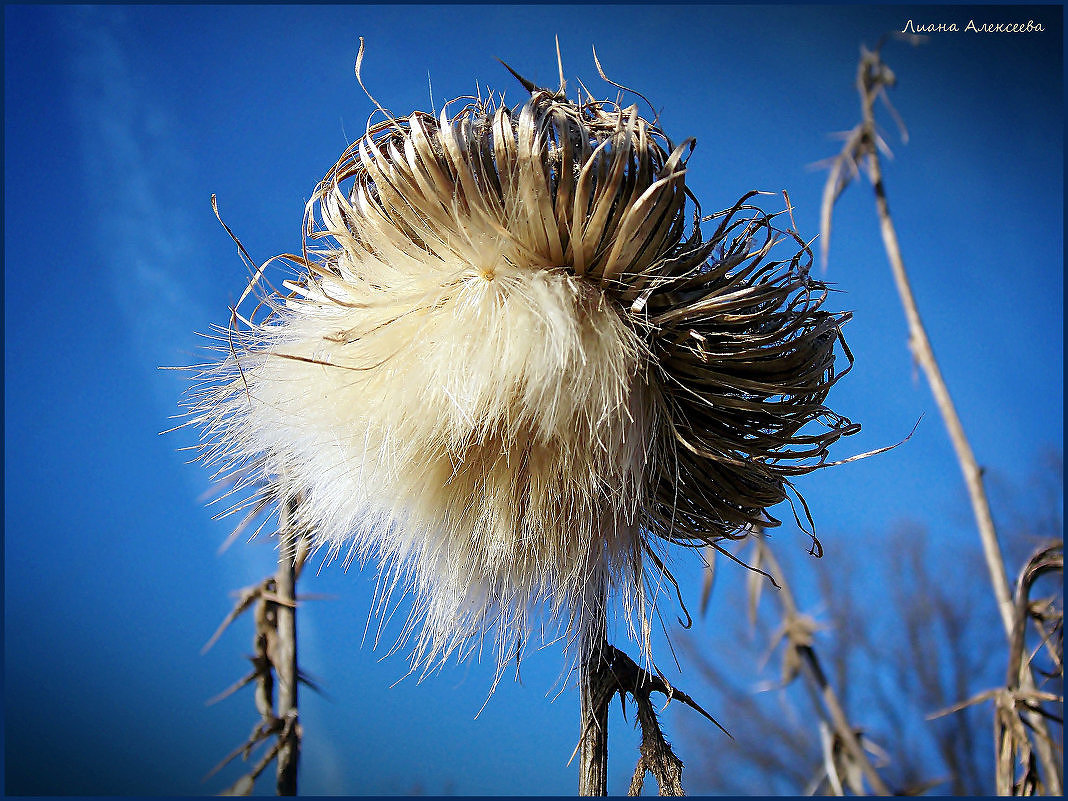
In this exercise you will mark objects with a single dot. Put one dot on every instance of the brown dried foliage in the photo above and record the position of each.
(274, 668)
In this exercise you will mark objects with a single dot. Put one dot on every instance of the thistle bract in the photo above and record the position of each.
(514, 369)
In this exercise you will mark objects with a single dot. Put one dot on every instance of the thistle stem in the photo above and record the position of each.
(286, 665)
(593, 705)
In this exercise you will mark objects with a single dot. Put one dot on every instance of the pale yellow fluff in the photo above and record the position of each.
(486, 428)
(496, 381)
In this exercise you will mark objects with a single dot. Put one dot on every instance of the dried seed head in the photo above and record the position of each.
(518, 368)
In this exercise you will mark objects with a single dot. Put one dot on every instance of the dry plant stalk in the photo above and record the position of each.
(1019, 701)
(863, 146)
(516, 370)
(286, 661)
(1016, 739)
(274, 667)
(846, 761)
(594, 702)
(610, 672)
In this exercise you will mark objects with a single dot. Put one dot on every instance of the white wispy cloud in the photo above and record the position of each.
(144, 243)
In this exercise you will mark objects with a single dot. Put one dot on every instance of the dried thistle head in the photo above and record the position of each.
(517, 368)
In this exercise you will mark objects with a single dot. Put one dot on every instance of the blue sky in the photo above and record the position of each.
(122, 121)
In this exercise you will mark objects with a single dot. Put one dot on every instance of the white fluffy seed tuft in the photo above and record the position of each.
(510, 378)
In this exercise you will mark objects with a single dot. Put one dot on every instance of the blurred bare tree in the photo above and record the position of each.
(898, 638)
